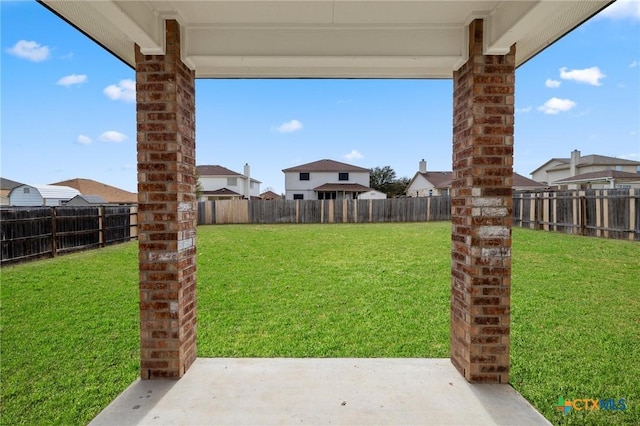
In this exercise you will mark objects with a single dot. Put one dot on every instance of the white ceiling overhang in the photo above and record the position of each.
(325, 38)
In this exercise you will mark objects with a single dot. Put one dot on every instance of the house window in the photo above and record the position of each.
(25, 190)
(618, 168)
(343, 176)
(298, 196)
(304, 176)
(327, 195)
(232, 181)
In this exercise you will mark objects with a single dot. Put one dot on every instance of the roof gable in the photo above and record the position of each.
(438, 179)
(91, 199)
(603, 160)
(8, 183)
(270, 195)
(221, 191)
(215, 170)
(560, 162)
(326, 165)
(109, 193)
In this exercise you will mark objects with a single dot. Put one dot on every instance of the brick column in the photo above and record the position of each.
(167, 210)
(481, 207)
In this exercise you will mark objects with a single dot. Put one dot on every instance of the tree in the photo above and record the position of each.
(384, 179)
(381, 177)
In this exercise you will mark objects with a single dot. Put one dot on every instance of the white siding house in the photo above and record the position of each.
(427, 184)
(325, 180)
(41, 195)
(220, 183)
(589, 171)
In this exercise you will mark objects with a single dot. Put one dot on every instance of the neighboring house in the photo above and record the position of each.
(325, 180)
(220, 183)
(270, 195)
(426, 184)
(110, 194)
(578, 172)
(86, 200)
(605, 179)
(372, 195)
(6, 185)
(41, 195)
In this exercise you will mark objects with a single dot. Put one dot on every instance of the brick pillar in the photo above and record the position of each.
(167, 210)
(481, 207)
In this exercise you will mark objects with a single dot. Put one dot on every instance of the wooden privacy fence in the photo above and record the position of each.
(28, 233)
(324, 211)
(32, 232)
(608, 213)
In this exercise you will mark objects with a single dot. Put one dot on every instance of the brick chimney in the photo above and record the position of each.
(575, 160)
(422, 166)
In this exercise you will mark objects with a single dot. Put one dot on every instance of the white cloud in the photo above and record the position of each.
(290, 126)
(83, 140)
(30, 50)
(70, 80)
(556, 105)
(112, 136)
(590, 76)
(524, 110)
(124, 91)
(633, 64)
(353, 155)
(552, 83)
(622, 9)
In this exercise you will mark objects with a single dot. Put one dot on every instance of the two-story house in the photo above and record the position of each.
(325, 180)
(220, 183)
(589, 171)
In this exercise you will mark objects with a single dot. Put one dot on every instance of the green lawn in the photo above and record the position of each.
(70, 336)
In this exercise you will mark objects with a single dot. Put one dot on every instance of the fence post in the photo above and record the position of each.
(583, 213)
(101, 226)
(632, 213)
(355, 211)
(605, 213)
(54, 245)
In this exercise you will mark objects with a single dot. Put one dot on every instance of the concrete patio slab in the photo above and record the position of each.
(337, 391)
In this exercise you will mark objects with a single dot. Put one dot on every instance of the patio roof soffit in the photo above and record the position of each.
(325, 38)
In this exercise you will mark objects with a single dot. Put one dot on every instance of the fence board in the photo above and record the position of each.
(608, 213)
(30, 233)
(324, 211)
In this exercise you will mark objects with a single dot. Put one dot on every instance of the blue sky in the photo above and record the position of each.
(68, 110)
